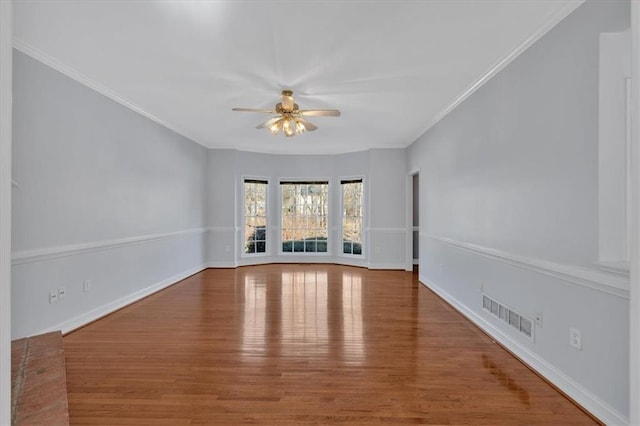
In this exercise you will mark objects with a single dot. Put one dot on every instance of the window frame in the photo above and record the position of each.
(243, 236)
(299, 180)
(341, 252)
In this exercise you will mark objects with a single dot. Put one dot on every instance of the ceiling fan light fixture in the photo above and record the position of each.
(290, 118)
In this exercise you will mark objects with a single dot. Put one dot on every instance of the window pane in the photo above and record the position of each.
(352, 216)
(255, 216)
(304, 216)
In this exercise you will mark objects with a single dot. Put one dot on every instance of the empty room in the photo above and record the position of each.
(287, 212)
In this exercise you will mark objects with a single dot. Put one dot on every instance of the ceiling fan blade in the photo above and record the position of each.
(268, 111)
(320, 112)
(307, 124)
(268, 123)
(287, 100)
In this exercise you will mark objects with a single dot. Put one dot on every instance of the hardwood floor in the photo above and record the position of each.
(280, 344)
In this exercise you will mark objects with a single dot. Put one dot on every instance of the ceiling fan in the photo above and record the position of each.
(290, 118)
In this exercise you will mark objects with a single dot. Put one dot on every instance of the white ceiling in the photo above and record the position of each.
(392, 68)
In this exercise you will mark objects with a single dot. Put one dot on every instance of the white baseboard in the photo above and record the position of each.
(586, 399)
(394, 266)
(88, 317)
(221, 265)
(267, 261)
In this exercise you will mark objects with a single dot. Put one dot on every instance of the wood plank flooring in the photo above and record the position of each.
(300, 344)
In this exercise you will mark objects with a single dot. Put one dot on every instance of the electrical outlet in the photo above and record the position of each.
(575, 338)
(86, 285)
(62, 292)
(539, 319)
(53, 296)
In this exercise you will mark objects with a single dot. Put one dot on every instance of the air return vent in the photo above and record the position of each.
(521, 323)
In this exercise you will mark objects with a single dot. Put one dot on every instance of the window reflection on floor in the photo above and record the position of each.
(304, 313)
(296, 312)
(255, 311)
(354, 351)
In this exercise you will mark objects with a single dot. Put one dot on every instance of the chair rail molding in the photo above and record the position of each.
(610, 283)
(38, 255)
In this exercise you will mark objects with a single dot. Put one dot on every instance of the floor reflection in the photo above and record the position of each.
(296, 308)
(506, 380)
(304, 325)
(255, 312)
(354, 348)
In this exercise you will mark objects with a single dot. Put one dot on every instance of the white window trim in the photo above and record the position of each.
(329, 227)
(243, 237)
(365, 212)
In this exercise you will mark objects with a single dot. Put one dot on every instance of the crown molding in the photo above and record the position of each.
(553, 20)
(73, 74)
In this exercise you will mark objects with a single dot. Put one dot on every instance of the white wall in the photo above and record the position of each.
(387, 204)
(5, 210)
(381, 170)
(107, 196)
(509, 206)
(221, 208)
(103, 194)
(635, 223)
(614, 72)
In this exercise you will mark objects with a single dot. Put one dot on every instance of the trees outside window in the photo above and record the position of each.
(255, 216)
(352, 191)
(305, 207)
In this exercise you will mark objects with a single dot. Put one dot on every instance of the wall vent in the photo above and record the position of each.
(518, 321)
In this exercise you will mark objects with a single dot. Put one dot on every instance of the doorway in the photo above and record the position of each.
(413, 218)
